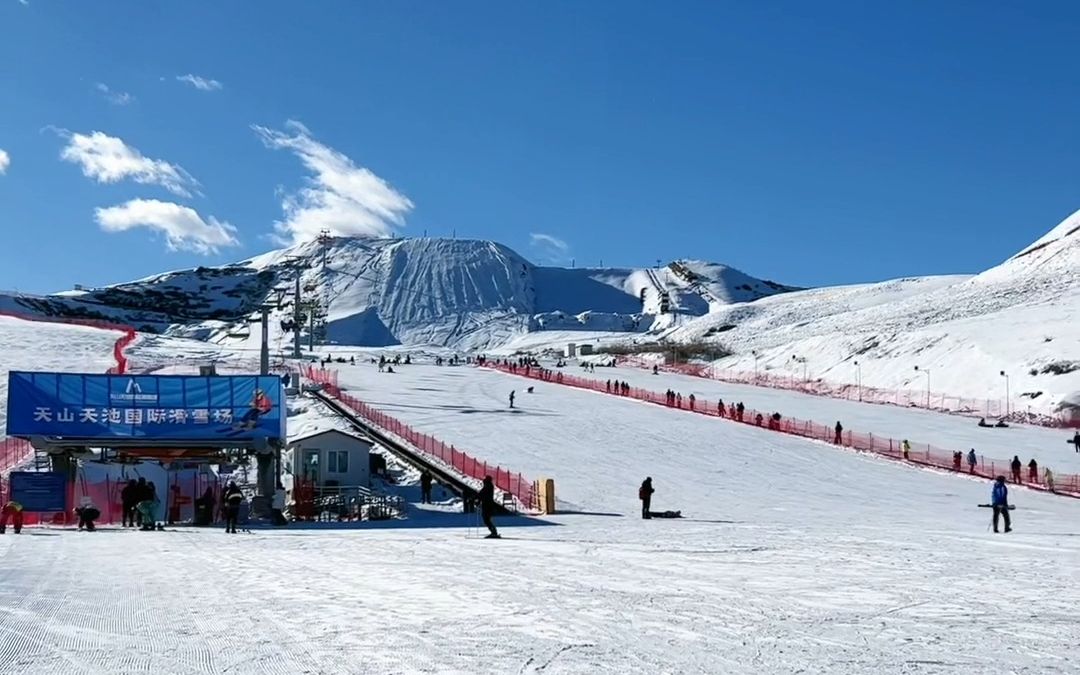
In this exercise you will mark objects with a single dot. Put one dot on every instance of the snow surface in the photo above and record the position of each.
(794, 556)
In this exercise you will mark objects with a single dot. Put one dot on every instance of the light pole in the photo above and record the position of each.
(927, 371)
(858, 375)
(1006, 376)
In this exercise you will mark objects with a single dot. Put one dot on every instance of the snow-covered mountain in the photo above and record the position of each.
(1021, 317)
(378, 292)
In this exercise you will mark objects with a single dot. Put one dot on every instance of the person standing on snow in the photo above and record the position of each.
(906, 447)
(148, 507)
(999, 501)
(12, 511)
(645, 493)
(1076, 441)
(512, 394)
(277, 506)
(232, 499)
(128, 499)
(487, 507)
(972, 460)
(839, 429)
(425, 487)
(1016, 466)
(1049, 478)
(1033, 471)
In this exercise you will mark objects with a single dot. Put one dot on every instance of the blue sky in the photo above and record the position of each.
(810, 143)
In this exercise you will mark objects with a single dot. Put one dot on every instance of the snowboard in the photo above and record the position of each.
(665, 514)
(1011, 507)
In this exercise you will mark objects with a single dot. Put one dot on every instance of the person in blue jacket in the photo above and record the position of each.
(999, 500)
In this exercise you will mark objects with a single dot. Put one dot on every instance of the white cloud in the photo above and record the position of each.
(5, 162)
(108, 159)
(183, 227)
(548, 241)
(112, 96)
(200, 83)
(346, 199)
(551, 249)
(24, 2)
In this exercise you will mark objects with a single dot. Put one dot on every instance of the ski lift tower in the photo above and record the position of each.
(324, 243)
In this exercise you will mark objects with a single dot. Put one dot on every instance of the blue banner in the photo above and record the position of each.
(229, 408)
(39, 491)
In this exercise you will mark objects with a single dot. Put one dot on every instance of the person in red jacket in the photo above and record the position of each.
(12, 511)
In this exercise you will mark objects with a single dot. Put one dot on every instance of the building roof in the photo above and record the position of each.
(338, 432)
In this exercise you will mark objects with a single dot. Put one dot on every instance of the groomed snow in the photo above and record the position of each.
(794, 557)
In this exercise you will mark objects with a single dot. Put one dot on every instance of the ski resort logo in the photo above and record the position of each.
(133, 393)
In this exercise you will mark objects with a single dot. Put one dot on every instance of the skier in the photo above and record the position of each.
(128, 500)
(232, 499)
(609, 386)
(999, 501)
(906, 447)
(425, 487)
(693, 399)
(487, 507)
(972, 460)
(739, 410)
(12, 510)
(511, 399)
(1076, 441)
(148, 507)
(277, 506)
(1049, 478)
(656, 370)
(957, 460)
(1033, 471)
(1016, 466)
(720, 407)
(839, 430)
(87, 514)
(645, 493)
(352, 360)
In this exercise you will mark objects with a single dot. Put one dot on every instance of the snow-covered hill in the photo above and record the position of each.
(379, 292)
(1021, 317)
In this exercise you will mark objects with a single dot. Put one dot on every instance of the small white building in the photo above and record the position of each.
(332, 458)
(571, 350)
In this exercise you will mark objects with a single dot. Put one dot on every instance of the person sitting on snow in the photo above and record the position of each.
(982, 422)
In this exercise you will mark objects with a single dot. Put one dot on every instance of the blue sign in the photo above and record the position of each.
(230, 408)
(39, 491)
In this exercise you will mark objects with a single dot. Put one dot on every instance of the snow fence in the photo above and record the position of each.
(525, 491)
(1012, 410)
(920, 454)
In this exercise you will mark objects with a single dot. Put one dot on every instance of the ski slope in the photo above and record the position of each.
(794, 556)
(1049, 447)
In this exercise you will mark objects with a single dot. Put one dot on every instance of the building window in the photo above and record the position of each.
(337, 461)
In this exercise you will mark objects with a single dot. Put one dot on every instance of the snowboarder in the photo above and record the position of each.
(982, 422)
(645, 493)
(972, 460)
(128, 499)
(425, 487)
(487, 507)
(739, 410)
(512, 393)
(999, 501)
(232, 499)
(656, 370)
(693, 400)
(906, 447)
(839, 430)
(1033, 471)
(1049, 478)
(720, 407)
(12, 511)
(609, 386)
(1016, 466)
(87, 514)
(1076, 441)
(352, 360)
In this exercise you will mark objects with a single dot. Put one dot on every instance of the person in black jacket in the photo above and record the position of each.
(425, 487)
(645, 493)
(487, 506)
(128, 499)
(232, 499)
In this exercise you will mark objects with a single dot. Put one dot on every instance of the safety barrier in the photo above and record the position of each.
(922, 454)
(1015, 411)
(522, 489)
